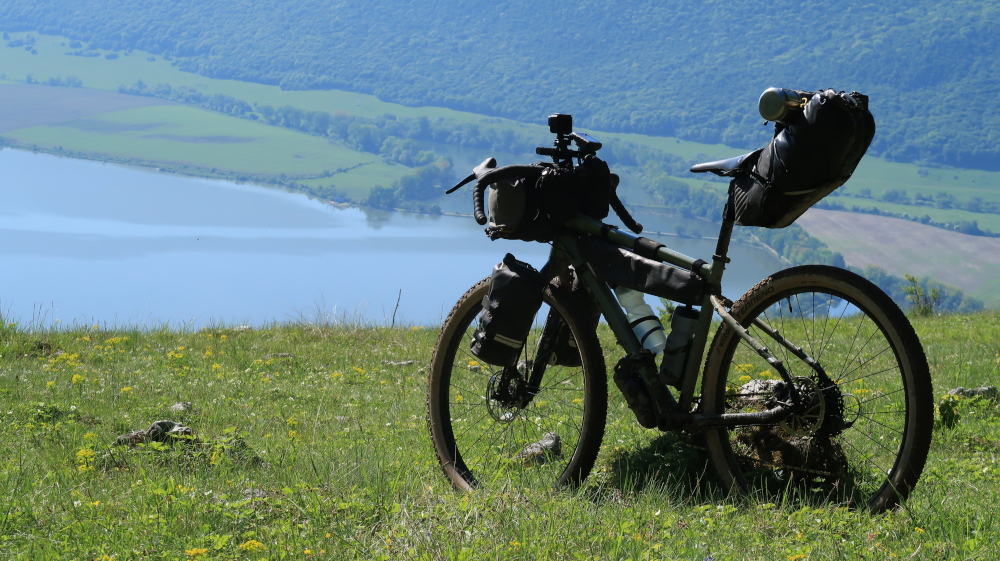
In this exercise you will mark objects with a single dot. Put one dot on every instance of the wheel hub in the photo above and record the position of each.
(810, 415)
(507, 393)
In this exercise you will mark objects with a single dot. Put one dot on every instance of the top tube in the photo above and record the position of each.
(655, 250)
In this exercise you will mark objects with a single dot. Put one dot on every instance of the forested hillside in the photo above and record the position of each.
(690, 68)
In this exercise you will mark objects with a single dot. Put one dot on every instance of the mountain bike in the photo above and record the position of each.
(814, 381)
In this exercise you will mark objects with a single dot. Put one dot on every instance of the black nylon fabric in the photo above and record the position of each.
(813, 152)
(534, 207)
(619, 266)
(508, 309)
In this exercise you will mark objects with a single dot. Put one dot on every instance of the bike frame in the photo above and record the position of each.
(678, 413)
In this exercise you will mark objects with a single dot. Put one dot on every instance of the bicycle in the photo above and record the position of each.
(840, 406)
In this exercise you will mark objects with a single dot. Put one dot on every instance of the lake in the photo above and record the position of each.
(84, 243)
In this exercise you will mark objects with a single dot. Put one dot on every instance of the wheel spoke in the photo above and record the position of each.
(488, 431)
(878, 415)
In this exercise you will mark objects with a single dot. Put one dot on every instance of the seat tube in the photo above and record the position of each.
(700, 340)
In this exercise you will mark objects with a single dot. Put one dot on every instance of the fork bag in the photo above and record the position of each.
(509, 308)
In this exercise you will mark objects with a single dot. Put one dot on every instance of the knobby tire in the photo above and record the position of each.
(864, 438)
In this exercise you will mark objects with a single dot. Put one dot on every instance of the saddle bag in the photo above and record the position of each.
(509, 308)
(814, 151)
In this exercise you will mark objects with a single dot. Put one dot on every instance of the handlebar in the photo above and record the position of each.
(486, 173)
(561, 152)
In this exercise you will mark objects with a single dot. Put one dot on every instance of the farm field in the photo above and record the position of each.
(985, 221)
(971, 263)
(310, 442)
(115, 127)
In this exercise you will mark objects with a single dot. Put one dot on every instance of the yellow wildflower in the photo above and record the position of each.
(252, 545)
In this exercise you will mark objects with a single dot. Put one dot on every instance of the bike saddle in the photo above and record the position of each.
(729, 167)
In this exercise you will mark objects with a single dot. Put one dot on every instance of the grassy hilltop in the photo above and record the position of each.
(311, 444)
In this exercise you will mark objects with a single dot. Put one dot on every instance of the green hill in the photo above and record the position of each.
(685, 68)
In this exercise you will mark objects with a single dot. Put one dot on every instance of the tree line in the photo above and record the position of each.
(684, 68)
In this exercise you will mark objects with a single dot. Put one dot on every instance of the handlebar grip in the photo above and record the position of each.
(479, 190)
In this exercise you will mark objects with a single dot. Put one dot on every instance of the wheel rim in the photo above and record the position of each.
(844, 448)
(490, 434)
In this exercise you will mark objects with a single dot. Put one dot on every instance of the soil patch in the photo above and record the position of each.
(31, 105)
(971, 263)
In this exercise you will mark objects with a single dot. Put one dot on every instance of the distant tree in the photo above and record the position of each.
(382, 197)
(897, 196)
(923, 302)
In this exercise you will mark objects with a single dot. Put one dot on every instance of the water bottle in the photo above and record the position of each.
(678, 345)
(644, 322)
(775, 103)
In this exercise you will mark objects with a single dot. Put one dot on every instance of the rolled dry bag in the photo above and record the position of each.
(509, 309)
(813, 152)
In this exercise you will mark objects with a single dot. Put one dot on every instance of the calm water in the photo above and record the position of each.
(90, 243)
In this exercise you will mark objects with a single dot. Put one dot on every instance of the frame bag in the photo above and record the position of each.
(813, 152)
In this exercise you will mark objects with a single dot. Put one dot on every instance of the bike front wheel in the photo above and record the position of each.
(490, 429)
(863, 435)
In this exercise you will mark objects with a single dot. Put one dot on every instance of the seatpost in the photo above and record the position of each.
(721, 257)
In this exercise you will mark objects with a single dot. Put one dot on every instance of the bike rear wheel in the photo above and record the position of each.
(864, 436)
(483, 437)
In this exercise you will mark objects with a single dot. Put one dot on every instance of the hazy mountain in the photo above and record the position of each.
(690, 68)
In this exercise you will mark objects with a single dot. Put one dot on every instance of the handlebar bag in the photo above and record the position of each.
(813, 152)
(531, 208)
(509, 308)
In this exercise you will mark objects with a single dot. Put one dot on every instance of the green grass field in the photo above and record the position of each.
(311, 443)
(196, 140)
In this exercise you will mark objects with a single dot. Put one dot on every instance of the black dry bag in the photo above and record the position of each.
(509, 309)
(815, 149)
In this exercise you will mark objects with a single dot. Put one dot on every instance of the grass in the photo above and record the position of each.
(311, 443)
(194, 140)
